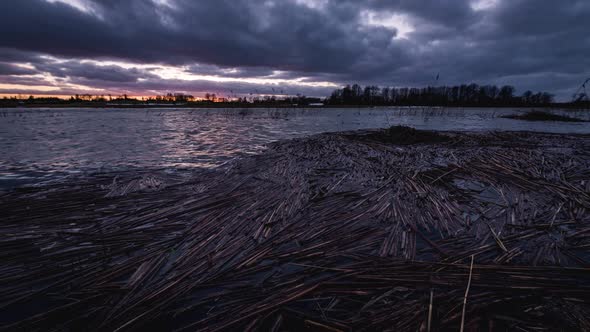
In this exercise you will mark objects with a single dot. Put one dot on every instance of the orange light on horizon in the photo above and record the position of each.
(152, 98)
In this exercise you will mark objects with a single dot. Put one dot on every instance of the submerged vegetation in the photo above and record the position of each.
(542, 116)
(398, 229)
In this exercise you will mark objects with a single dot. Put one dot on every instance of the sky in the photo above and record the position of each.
(309, 47)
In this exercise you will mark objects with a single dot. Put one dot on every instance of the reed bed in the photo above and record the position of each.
(535, 115)
(336, 232)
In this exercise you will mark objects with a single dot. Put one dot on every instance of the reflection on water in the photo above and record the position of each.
(42, 144)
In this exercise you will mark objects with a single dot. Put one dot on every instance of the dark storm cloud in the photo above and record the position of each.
(10, 69)
(256, 72)
(90, 71)
(227, 33)
(24, 80)
(447, 13)
(540, 44)
(14, 55)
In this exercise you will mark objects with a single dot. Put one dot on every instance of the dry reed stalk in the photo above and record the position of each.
(341, 231)
(466, 294)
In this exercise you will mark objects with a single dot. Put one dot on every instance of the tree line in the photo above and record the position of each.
(459, 95)
(173, 99)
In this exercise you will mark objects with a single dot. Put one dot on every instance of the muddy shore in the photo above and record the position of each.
(366, 230)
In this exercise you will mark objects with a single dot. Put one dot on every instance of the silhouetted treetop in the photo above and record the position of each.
(461, 95)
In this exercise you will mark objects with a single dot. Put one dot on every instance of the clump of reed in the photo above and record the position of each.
(542, 116)
(403, 135)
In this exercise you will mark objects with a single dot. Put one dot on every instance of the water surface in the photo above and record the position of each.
(45, 144)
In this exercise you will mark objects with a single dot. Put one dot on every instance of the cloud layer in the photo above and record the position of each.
(144, 47)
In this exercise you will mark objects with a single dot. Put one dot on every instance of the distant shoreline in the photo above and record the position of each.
(209, 106)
